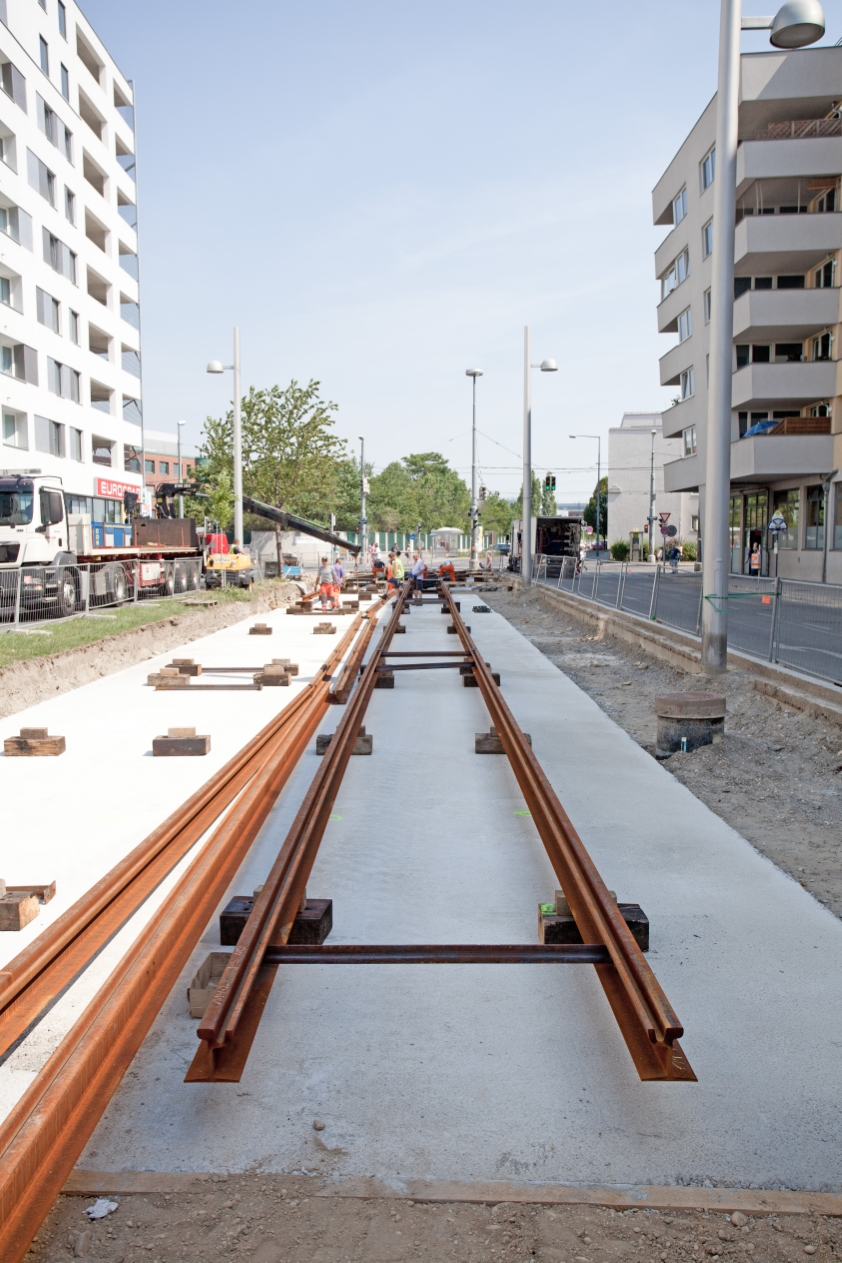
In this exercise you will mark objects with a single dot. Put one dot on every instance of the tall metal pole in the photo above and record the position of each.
(238, 447)
(598, 491)
(363, 522)
(715, 527)
(181, 497)
(652, 501)
(474, 506)
(526, 532)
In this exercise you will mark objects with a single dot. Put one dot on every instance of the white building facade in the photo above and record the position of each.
(69, 293)
(786, 420)
(629, 477)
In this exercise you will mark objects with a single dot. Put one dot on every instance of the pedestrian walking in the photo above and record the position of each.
(754, 561)
(327, 586)
(418, 571)
(674, 558)
(397, 571)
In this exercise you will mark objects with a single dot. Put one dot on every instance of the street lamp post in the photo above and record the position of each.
(180, 479)
(797, 23)
(216, 367)
(546, 366)
(652, 499)
(474, 373)
(363, 522)
(598, 481)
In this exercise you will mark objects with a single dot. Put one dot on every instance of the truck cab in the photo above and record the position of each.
(33, 520)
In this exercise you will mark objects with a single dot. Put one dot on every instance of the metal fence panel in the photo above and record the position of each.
(637, 590)
(751, 610)
(679, 599)
(809, 628)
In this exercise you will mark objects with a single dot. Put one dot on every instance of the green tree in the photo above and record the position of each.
(537, 493)
(497, 514)
(392, 500)
(590, 509)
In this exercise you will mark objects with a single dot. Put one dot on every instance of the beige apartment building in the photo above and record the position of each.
(630, 476)
(786, 421)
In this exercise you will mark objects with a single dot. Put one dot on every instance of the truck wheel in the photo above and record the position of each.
(119, 585)
(168, 586)
(192, 578)
(67, 595)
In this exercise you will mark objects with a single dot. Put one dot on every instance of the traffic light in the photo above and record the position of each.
(549, 482)
(482, 494)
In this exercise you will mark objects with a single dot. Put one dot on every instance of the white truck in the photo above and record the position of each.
(55, 562)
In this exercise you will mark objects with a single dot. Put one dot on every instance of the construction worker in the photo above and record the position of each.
(327, 585)
(447, 571)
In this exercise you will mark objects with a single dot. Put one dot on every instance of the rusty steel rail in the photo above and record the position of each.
(38, 974)
(227, 1029)
(645, 1016)
(43, 1135)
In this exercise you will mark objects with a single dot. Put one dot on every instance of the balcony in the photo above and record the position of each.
(771, 386)
(670, 307)
(784, 315)
(787, 158)
(684, 475)
(768, 456)
(673, 364)
(683, 414)
(785, 244)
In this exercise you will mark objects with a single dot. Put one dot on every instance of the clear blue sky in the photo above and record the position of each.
(383, 194)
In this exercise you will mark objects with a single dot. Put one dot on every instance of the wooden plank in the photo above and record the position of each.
(18, 909)
(29, 747)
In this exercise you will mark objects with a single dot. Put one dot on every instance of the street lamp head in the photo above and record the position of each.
(473, 372)
(215, 366)
(182, 423)
(797, 23)
(549, 366)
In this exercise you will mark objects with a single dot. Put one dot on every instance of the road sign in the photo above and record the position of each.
(663, 518)
(672, 531)
(777, 523)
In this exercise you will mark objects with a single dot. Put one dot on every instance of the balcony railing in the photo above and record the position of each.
(801, 129)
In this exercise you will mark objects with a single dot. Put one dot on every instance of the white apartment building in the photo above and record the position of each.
(629, 477)
(786, 426)
(69, 309)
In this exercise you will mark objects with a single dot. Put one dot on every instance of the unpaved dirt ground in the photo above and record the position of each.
(25, 683)
(776, 775)
(274, 1219)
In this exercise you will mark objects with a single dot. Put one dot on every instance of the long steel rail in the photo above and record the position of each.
(227, 1029)
(43, 1135)
(645, 1016)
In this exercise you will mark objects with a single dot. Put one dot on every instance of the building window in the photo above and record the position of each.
(75, 444)
(706, 302)
(48, 310)
(46, 120)
(708, 169)
(15, 431)
(10, 222)
(68, 144)
(784, 282)
(74, 326)
(163, 466)
(707, 239)
(64, 381)
(685, 325)
(689, 438)
(62, 20)
(149, 466)
(814, 534)
(679, 207)
(70, 205)
(49, 436)
(45, 55)
(823, 346)
(788, 504)
(761, 354)
(821, 410)
(824, 277)
(102, 451)
(65, 82)
(687, 384)
(837, 516)
(41, 177)
(694, 522)
(679, 271)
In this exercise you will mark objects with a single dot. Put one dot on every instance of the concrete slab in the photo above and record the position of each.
(511, 1073)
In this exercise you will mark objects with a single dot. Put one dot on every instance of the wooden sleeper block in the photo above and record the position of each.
(43, 893)
(400, 629)
(469, 680)
(490, 743)
(168, 678)
(180, 741)
(260, 629)
(324, 629)
(451, 630)
(186, 666)
(364, 743)
(272, 677)
(445, 609)
(291, 668)
(17, 909)
(385, 680)
(33, 742)
(561, 927)
(312, 924)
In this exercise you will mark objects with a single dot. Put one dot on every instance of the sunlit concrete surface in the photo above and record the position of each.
(507, 1072)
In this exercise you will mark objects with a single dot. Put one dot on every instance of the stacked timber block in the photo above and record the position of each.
(400, 629)
(385, 680)
(350, 604)
(180, 742)
(290, 667)
(556, 923)
(168, 678)
(272, 676)
(186, 666)
(445, 609)
(312, 923)
(451, 630)
(260, 629)
(469, 680)
(33, 742)
(490, 743)
(324, 629)
(21, 904)
(364, 743)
